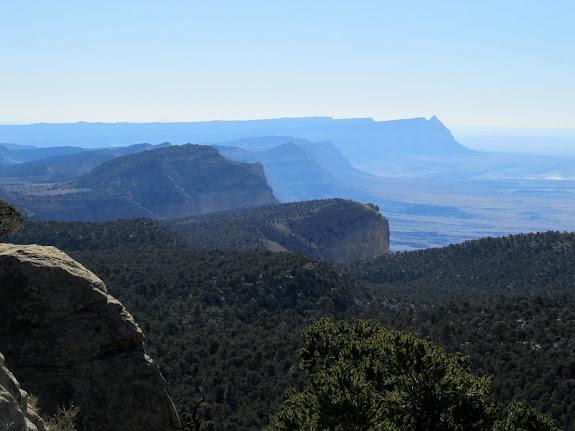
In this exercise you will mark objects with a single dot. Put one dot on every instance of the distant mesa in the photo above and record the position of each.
(175, 181)
(360, 139)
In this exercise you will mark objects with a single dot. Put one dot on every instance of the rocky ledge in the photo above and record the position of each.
(70, 343)
(15, 413)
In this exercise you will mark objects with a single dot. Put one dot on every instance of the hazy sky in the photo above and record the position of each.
(471, 63)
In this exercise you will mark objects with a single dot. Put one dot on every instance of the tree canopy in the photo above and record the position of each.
(10, 219)
(364, 377)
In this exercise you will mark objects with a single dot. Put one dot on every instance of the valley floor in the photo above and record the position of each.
(451, 211)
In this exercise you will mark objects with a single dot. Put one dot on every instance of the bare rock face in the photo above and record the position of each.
(337, 230)
(69, 342)
(15, 414)
(343, 231)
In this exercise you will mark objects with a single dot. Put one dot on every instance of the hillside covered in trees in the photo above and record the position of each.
(337, 230)
(524, 264)
(224, 324)
(330, 229)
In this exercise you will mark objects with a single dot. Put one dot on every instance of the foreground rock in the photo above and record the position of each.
(15, 414)
(68, 342)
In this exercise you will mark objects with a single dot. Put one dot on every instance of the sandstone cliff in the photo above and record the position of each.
(354, 231)
(69, 342)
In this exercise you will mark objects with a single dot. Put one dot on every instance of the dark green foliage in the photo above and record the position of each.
(363, 377)
(227, 322)
(526, 343)
(10, 219)
(525, 264)
(129, 233)
(523, 418)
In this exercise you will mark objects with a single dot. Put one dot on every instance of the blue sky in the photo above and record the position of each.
(471, 63)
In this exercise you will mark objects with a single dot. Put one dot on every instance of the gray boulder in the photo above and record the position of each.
(70, 343)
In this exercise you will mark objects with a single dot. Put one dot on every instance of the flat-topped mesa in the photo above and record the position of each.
(179, 181)
(173, 181)
(68, 342)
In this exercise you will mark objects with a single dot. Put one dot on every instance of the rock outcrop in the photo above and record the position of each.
(68, 342)
(339, 231)
(359, 231)
(15, 413)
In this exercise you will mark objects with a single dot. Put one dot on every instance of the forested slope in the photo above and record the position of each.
(229, 321)
(526, 343)
(116, 234)
(525, 264)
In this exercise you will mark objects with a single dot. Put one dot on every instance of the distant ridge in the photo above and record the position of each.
(337, 230)
(297, 169)
(175, 181)
(355, 137)
(64, 163)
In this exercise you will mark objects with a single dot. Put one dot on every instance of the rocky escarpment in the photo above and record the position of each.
(339, 231)
(176, 181)
(15, 413)
(181, 180)
(68, 342)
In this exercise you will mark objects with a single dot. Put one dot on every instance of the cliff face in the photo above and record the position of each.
(182, 180)
(68, 341)
(358, 231)
(339, 231)
(176, 181)
(15, 413)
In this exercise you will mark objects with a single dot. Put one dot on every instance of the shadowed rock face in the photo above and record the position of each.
(15, 414)
(356, 231)
(69, 342)
(339, 231)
